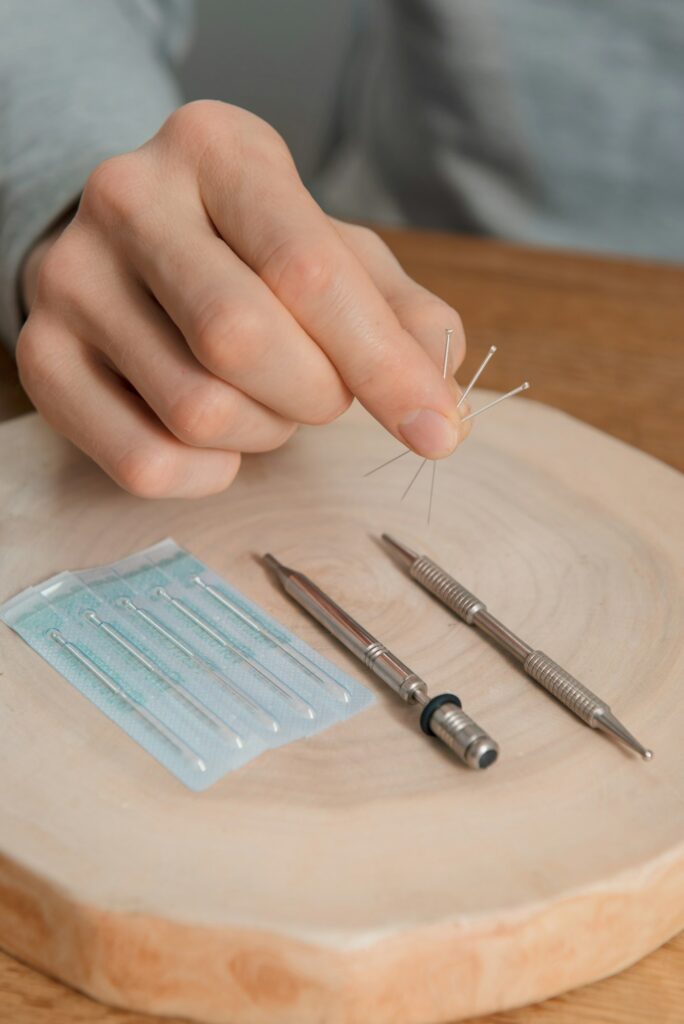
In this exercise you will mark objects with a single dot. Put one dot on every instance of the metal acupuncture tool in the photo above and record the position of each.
(442, 716)
(130, 701)
(539, 666)
(490, 405)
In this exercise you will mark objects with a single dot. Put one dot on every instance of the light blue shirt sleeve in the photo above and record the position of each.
(79, 82)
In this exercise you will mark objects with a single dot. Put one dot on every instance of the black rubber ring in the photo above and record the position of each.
(432, 706)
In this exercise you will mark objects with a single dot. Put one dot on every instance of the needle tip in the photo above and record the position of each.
(526, 386)
(407, 556)
(607, 722)
(272, 562)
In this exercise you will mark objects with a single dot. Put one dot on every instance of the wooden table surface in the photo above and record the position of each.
(600, 338)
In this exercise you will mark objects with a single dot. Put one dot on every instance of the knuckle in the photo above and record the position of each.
(59, 276)
(262, 141)
(220, 130)
(370, 241)
(228, 337)
(146, 472)
(202, 416)
(193, 123)
(39, 360)
(426, 316)
(30, 353)
(116, 191)
(293, 270)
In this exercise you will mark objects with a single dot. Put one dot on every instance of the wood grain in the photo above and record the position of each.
(600, 338)
(363, 875)
(650, 992)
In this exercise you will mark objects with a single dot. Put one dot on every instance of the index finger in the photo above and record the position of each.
(271, 221)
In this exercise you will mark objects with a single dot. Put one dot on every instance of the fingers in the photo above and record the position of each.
(88, 403)
(277, 229)
(233, 323)
(140, 341)
(422, 313)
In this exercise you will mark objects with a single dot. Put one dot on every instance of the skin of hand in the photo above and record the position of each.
(200, 305)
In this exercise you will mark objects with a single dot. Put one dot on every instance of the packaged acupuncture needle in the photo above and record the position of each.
(195, 673)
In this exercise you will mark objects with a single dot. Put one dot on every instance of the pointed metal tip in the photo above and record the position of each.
(406, 554)
(608, 723)
(278, 568)
(492, 349)
(526, 386)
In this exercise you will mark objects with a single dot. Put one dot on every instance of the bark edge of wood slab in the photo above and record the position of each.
(363, 875)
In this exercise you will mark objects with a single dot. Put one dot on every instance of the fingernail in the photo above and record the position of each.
(429, 433)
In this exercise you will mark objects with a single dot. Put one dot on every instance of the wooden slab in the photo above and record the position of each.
(363, 875)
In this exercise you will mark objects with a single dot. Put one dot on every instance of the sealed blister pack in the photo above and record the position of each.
(192, 670)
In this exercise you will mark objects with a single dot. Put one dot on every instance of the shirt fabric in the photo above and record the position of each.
(80, 81)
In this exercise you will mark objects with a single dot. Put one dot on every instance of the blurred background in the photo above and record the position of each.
(551, 124)
(283, 61)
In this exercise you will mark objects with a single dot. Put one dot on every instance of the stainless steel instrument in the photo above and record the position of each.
(538, 665)
(442, 716)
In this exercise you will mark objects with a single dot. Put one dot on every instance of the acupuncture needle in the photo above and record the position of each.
(282, 689)
(155, 723)
(198, 706)
(502, 398)
(478, 373)
(471, 416)
(241, 698)
(473, 381)
(337, 690)
(476, 376)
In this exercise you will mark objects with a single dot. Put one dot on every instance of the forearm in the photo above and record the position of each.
(80, 82)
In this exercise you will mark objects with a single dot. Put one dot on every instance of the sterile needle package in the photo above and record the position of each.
(191, 669)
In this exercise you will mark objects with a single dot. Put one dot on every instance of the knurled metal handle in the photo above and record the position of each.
(448, 590)
(564, 687)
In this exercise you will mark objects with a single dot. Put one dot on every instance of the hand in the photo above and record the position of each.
(200, 305)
